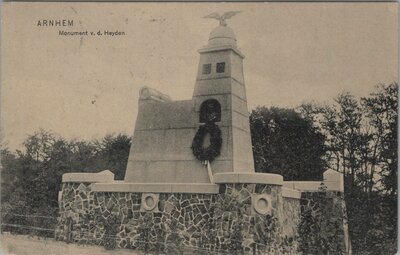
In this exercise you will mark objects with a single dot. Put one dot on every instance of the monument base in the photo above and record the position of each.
(263, 216)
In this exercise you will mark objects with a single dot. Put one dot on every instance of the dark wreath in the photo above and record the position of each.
(212, 151)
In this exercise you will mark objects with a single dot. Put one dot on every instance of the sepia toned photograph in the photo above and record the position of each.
(258, 128)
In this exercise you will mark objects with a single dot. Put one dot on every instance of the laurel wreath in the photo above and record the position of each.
(212, 151)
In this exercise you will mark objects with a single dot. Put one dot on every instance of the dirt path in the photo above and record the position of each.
(25, 245)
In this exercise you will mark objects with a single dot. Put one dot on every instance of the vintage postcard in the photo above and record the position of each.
(199, 127)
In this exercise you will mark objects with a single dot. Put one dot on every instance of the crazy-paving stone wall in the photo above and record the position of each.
(214, 222)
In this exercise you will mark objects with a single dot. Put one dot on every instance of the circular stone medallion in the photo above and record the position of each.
(149, 201)
(262, 204)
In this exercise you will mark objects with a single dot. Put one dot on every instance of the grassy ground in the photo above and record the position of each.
(26, 245)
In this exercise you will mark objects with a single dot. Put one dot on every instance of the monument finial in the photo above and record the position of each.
(223, 17)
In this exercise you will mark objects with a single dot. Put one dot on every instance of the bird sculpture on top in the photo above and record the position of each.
(223, 17)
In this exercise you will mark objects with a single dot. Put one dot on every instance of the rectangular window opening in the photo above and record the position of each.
(221, 67)
(206, 68)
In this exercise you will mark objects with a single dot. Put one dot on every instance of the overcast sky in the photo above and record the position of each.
(86, 87)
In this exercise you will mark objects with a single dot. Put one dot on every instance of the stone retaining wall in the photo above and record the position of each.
(208, 221)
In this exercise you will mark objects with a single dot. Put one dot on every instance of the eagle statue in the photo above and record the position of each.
(223, 17)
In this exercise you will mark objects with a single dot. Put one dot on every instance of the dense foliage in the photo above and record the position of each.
(232, 208)
(357, 137)
(145, 224)
(174, 240)
(31, 177)
(321, 225)
(111, 226)
(286, 143)
(361, 142)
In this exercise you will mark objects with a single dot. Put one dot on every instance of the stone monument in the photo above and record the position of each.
(165, 129)
(191, 163)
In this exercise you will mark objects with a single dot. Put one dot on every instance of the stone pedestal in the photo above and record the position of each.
(216, 210)
(257, 210)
